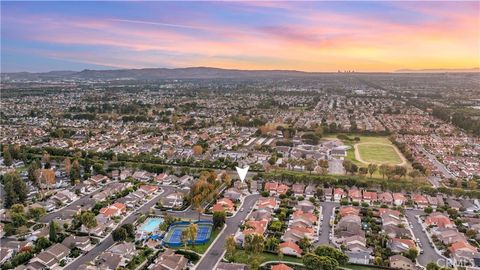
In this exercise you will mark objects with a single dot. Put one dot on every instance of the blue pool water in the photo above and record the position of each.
(151, 225)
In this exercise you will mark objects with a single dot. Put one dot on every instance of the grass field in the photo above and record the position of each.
(378, 153)
(368, 149)
(375, 149)
(242, 257)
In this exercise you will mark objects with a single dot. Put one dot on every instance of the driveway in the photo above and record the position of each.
(214, 254)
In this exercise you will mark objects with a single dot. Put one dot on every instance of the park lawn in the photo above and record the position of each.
(202, 248)
(378, 153)
(242, 257)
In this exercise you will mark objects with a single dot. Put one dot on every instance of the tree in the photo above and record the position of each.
(18, 219)
(401, 171)
(271, 243)
(433, 266)
(17, 208)
(219, 219)
(471, 233)
(36, 213)
(305, 244)
(185, 237)
(254, 243)
(33, 172)
(309, 164)
(363, 171)
(428, 210)
(46, 158)
(372, 168)
(230, 248)
(130, 229)
(7, 156)
(332, 252)
(15, 189)
(323, 164)
(119, 234)
(411, 253)
(67, 163)
(88, 220)
(192, 233)
(75, 171)
(22, 230)
(41, 244)
(52, 231)
(314, 262)
(383, 169)
(47, 177)
(197, 204)
(347, 164)
(197, 150)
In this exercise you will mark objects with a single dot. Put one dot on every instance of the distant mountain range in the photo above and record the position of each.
(154, 74)
(179, 73)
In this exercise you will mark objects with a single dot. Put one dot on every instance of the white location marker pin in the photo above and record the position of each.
(242, 172)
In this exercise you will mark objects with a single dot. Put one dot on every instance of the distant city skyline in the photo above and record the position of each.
(306, 36)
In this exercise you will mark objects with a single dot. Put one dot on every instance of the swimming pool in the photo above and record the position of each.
(151, 224)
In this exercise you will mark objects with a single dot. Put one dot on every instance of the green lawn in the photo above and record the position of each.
(242, 257)
(368, 152)
(378, 153)
(202, 248)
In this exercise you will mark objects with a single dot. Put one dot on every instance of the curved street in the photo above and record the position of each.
(214, 254)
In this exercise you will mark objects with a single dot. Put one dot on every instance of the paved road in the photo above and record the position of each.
(429, 254)
(440, 167)
(211, 258)
(84, 200)
(327, 210)
(108, 241)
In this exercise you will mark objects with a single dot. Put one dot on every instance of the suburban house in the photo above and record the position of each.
(349, 225)
(463, 251)
(98, 179)
(270, 203)
(224, 204)
(168, 260)
(338, 194)
(290, 248)
(51, 257)
(398, 245)
(399, 199)
(401, 262)
(81, 242)
(439, 220)
(298, 189)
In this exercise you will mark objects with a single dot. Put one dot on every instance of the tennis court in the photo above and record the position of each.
(174, 234)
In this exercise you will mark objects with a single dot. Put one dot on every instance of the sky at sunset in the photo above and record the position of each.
(309, 36)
